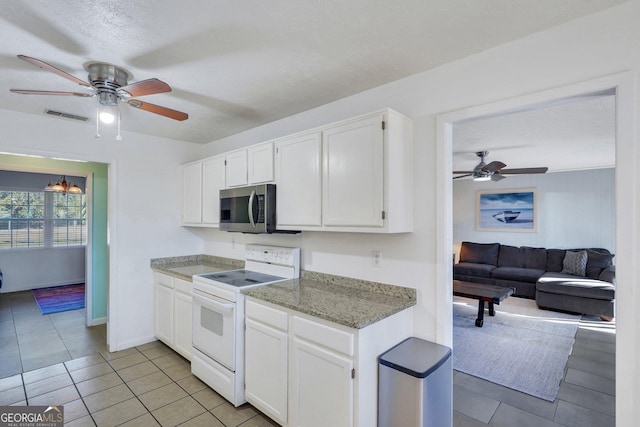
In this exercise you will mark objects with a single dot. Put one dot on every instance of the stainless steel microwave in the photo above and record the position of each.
(249, 209)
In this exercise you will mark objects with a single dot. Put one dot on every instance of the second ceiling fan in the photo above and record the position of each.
(494, 171)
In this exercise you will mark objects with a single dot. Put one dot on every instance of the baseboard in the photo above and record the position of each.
(132, 343)
(96, 322)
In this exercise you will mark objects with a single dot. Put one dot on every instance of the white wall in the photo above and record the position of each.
(32, 268)
(144, 207)
(587, 48)
(575, 210)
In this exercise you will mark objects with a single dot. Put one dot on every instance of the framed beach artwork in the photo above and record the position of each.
(506, 210)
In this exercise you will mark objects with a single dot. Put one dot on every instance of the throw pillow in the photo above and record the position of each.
(596, 262)
(575, 263)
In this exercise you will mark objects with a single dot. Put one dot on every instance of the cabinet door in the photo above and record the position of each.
(236, 168)
(322, 387)
(213, 180)
(192, 193)
(163, 312)
(182, 324)
(260, 163)
(299, 181)
(353, 173)
(266, 364)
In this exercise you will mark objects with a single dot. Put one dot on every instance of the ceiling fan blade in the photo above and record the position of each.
(457, 172)
(49, 92)
(462, 176)
(144, 87)
(157, 109)
(497, 176)
(493, 166)
(51, 68)
(524, 171)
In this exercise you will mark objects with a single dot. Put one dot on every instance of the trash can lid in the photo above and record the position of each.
(415, 357)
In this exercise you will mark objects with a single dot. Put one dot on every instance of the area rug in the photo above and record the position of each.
(59, 298)
(522, 347)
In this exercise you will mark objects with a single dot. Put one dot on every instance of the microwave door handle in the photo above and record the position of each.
(251, 198)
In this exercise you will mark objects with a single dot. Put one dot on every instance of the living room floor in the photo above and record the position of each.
(150, 383)
(586, 397)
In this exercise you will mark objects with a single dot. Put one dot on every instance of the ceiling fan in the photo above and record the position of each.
(494, 171)
(109, 84)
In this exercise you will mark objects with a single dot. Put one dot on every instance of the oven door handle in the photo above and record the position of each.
(211, 301)
(251, 198)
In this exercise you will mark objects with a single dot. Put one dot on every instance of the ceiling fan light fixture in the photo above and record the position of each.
(106, 117)
(482, 178)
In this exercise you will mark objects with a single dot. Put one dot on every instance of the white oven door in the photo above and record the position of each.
(214, 328)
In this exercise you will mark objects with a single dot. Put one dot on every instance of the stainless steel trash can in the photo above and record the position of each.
(415, 385)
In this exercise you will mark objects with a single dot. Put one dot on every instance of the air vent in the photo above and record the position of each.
(66, 115)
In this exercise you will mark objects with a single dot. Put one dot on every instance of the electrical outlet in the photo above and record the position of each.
(376, 258)
(233, 243)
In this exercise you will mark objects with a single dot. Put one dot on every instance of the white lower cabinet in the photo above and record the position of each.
(304, 371)
(172, 312)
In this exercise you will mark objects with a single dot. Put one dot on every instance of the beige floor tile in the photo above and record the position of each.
(137, 371)
(151, 345)
(74, 410)
(209, 398)
(178, 412)
(203, 420)
(119, 354)
(260, 420)
(80, 422)
(149, 382)
(119, 413)
(12, 395)
(94, 371)
(178, 372)
(95, 385)
(109, 397)
(146, 420)
(232, 416)
(191, 384)
(48, 384)
(127, 361)
(57, 397)
(47, 372)
(84, 362)
(43, 360)
(168, 361)
(162, 396)
(156, 352)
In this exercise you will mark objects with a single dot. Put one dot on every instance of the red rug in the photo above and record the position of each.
(59, 298)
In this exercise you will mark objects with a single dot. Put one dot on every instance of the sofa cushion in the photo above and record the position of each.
(530, 275)
(535, 258)
(596, 262)
(575, 263)
(509, 256)
(480, 253)
(555, 258)
(566, 284)
(471, 269)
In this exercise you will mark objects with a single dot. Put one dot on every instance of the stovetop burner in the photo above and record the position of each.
(240, 278)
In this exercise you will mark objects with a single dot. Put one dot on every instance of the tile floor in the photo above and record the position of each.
(151, 385)
(29, 340)
(586, 397)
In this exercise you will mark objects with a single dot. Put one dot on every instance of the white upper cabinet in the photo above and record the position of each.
(236, 170)
(260, 163)
(299, 181)
(353, 181)
(192, 194)
(213, 180)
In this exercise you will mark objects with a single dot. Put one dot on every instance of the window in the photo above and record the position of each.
(42, 219)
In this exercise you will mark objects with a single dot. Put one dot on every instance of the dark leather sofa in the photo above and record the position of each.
(537, 273)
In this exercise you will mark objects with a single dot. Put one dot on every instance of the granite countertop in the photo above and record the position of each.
(349, 302)
(183, 267)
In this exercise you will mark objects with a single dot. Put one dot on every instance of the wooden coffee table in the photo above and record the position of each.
(483, 293)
